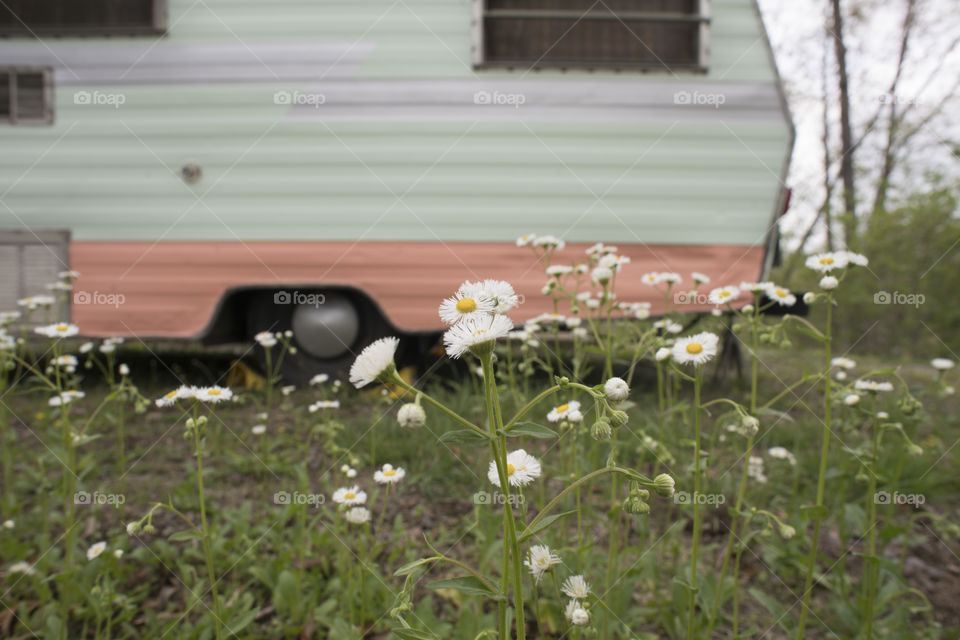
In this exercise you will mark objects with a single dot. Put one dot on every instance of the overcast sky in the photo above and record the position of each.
(796, 31)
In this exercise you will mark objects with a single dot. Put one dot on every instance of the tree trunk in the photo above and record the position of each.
(846, 135)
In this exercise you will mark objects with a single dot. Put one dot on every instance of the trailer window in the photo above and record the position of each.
(650, 35)
(25, 96)
(36, 18)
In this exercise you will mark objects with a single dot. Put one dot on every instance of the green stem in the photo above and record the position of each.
(218, 616)
(821, 478)
(871, 565)
(691, 624)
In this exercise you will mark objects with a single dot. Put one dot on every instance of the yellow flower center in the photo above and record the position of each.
(466, 305)
(694, 348)
(724, 294)
(62, 327)
(170, 394)
(780, 292)
(349, 495)
(213, 392)
(826, 260)
(389, 473)
(510, 469)
(563, 408)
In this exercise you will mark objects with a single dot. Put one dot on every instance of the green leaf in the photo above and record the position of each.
(531, 429)
(543, 524)
(410, 567)
(776, 609)
(189, 534)
(461, 435)
(469, 585)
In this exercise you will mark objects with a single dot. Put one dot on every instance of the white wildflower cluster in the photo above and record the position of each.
(476, 313)
(208, 395)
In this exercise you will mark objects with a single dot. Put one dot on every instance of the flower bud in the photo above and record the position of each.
(851, 400)
(664, 484)
(601, 430)
(787, 531)
(149, 528)
(619, 418)
(636, 506)
(809, 297)
(133, 528)
(616, 389)
(411, 416)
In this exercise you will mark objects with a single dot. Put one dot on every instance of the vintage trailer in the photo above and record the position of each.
(216, 168)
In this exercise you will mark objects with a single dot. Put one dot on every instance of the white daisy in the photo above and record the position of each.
(9, 524)
(843, 363)
(123, 369)
(66, 361)
(22, 567)
(540, 559)
(613, 262)
(828, 283)
(522, 469)
(265, 339)
(469, 301)
(8, 317)
(357, 515)
(942, 364)
(699, 278)
(601, 275)
(697, 350)
(350, 496)
(258, 429)
(781, 296)
(616, 389)
(323, 404)
(559, 413)
(851, 400)
(526, 240)
(59, 330)
(872, 385)
(388, 475)
(501, 293)
(549, 241)
(576, 614)
(59, 286)
(213, 394)
(827, 262)
(411, 416)
(663, 353)
(559, 270)
(182, 393)
(320, 378)
(374, 361)
(651, 278)
(65, 398)
(856, 259)
(671, 278)
(68, 275)
(573, 323)
(108, 347)
(95, 550)
(118, 553)
(576, 587)
(724, 295)
(782, 454)
(471, 332)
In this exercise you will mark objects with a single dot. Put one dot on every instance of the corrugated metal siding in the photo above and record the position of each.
(111, 173)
